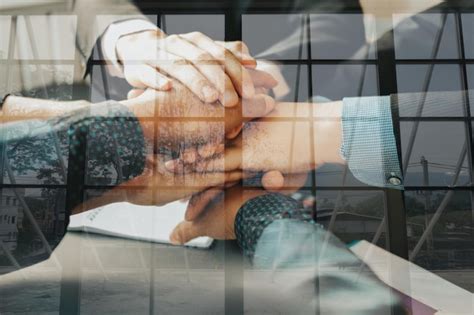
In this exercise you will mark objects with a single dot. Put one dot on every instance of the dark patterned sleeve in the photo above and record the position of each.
(113, 138)
(111, 132)
(256, 214)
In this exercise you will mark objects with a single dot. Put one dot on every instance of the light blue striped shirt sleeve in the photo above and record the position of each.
(369, 145)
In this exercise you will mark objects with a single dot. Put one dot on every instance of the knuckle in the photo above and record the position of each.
(172, 38)
(238, 44)
(204, 56)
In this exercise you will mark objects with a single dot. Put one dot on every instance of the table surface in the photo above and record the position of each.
(99, 274)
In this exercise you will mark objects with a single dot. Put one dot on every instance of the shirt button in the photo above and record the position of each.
(395, 181)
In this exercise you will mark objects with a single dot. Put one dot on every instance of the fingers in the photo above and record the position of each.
(273, 180)
(207, 150)
(185, 72)
(134, 93)
(238, 74)
(199, 201)
(142, 76)
(262, 79)
(184, 232)
(259, 106)
(206, 64)
(229, 161)
(241, 51)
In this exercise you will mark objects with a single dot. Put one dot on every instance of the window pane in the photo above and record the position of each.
(294, 88)
(50, 37)
(42, 81)
(470, 83)
(468, 26)
(421, 43)
(358, 215)
(47, 208)
(447, 248)
(38, 160)
(436, 151)
(338, 81)
(411, 79)
(5, 24)
(274, 36)
(212, 25)
(339, 36)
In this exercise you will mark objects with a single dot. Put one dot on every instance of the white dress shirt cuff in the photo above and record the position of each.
(112, 35)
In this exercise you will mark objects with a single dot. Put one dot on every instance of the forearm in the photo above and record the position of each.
(356, 131)
(318, 122)
(114, 137)
(21, 108)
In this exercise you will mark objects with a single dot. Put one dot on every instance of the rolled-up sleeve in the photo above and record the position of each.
(369, 145)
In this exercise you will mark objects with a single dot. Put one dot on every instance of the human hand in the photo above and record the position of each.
(212, 212)
(156, 186)
(279, 143)
(184, 121)
(209, 69)
(217, 221)
(263, 145)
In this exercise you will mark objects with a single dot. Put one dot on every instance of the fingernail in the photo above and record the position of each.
(210, 94)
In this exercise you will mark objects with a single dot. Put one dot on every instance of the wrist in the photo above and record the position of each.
(25, 107)
(327, 132)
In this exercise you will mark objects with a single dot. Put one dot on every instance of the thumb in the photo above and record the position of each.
(184, 232)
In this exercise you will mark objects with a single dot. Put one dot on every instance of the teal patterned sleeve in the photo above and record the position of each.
(278, 234)
(110, 129)
(369, 145)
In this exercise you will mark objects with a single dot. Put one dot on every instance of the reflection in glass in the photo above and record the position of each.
(46, 37)
(38, 160)
(468, 26)
(5, 24)
(42, 81)
(274, 36)
(423, 41)
(356, 215)
(413, 78)
(447, 248)
(339, 36)
(212, 25)
(17, 232)
(343, 80)
(437, 149)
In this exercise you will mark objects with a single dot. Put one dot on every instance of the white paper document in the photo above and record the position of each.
(146, 223)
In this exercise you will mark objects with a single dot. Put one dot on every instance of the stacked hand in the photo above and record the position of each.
(279, 144)
(206, 67)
